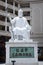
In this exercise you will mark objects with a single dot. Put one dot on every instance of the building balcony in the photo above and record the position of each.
(2, 22)
(12, 7)
(4, 33)
(26, 9)
(2, 3)
(2, 12)
(16, 8)
(9, 6)
(11, 15)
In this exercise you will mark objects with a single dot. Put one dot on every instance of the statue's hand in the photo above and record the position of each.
(9, 17)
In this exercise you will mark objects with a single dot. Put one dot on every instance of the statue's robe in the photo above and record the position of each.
(21, 27)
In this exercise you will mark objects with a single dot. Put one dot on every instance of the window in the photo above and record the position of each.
(10, 2)
(2, 8)
(8, 19)
(40, 53)
(3, 0)
(16, 12)
(7, 28)
(16, 4)
(2, 18)
(26, 13)
(9, 10)
(2, 27)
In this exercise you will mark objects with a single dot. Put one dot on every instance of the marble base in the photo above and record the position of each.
(22, 61)
(24, 40)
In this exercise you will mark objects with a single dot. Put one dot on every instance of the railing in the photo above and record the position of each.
(2, 22)
(4, 33)
(2, 3)
(2, 12)
(6, 14)
(8, 5)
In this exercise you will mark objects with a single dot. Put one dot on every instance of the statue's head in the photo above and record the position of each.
(20, 13)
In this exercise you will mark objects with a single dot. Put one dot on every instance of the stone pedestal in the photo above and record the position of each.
(22, 60)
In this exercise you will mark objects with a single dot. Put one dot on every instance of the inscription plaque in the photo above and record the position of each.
(21, 52)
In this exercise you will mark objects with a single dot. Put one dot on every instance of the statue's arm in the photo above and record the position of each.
(12, 21)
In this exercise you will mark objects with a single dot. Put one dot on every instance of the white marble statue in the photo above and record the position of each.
(19, 29)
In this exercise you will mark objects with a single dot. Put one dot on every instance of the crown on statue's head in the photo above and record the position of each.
(20, 12)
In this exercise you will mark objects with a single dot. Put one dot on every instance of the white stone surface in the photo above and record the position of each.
(39, 63)
(21, 60)
(23, 64)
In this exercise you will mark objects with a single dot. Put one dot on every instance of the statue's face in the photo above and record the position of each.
(20, 13)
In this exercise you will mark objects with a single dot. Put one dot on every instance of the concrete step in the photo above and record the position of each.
(22, 64)
(2, 64)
